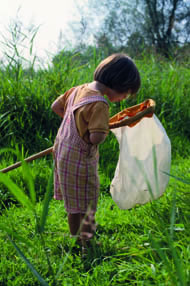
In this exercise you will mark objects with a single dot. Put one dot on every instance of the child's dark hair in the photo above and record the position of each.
(119, 73)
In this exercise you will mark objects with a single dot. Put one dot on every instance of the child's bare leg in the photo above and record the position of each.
(88, 226)
(74, 223)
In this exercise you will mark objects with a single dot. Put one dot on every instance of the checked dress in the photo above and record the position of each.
(76, 178)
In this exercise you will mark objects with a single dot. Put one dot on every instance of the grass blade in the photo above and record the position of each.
(12, 233)
(155, 169)
(141, 168)
(29, 180)
(47, 200)
(164, 258)
(16, 191)
(178, 264)
(173, 214)
(30, 266)
(186, 181)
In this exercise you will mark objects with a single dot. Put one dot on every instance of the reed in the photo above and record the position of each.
(147, 245)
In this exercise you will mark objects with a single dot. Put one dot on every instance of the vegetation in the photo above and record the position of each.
(26, 97)
(147, 245)
(162, 25)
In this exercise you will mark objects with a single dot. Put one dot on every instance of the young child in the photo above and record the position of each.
(85, 125)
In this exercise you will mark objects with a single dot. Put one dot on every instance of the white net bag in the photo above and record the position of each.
(145, 156)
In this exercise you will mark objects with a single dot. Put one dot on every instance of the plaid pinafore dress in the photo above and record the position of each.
(76, 178)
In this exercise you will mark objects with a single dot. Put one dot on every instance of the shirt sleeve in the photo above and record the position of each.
(99, 118)
(63, 98)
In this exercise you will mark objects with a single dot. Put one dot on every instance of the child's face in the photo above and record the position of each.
(115, 96)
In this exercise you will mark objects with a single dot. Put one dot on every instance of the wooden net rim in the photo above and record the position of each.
(132, 115)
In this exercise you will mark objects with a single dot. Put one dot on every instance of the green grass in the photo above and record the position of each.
(26, 95)
(147, 245)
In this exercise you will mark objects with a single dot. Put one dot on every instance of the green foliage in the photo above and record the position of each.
(139, 25)
(147, 245)
(29, 202)
(39, 172)
(26, 116)
(167, 83)
(27, 119)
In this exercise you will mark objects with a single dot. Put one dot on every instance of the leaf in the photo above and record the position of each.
(186, 181)
(29, 180)
(173, 214)
(30, 266)
(164, 258)
(12, 233)
(8, 150)
(16, 191)
(178, 263)
(47, 200)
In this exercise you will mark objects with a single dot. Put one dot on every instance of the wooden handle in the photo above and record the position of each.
(133, 119)
(49, 150)
(112, 125)
(29, 159)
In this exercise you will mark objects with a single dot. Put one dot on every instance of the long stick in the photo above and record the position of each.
(128, 121)
(29, 159)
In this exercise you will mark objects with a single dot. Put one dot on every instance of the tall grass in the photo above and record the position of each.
(29, 202)
(168, 83)
(147, 245)
(27, 120)
(144, 246)
(26, 96)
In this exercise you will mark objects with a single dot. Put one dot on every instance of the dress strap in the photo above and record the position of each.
(89, 99)
(83, 101)
(71, 99)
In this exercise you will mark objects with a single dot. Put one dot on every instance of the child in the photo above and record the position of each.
(85, 125)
